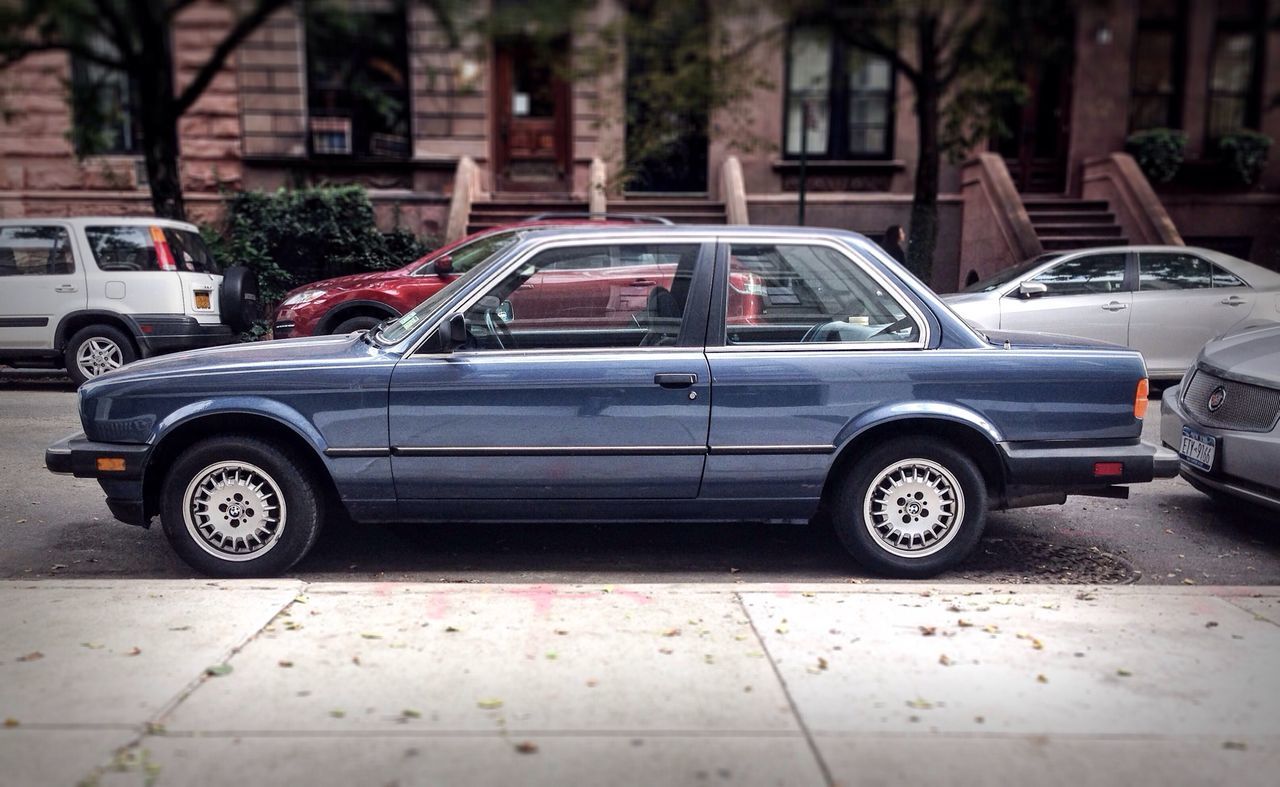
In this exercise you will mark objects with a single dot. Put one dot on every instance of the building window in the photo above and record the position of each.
(848, 95)
(1158, 65)
(104, 106)
(1235, 70)
(358, 80)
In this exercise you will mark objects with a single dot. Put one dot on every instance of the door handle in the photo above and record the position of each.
(1115, 306)
(642, 283)
(1234, 300)
(674, 380)
(65, 288)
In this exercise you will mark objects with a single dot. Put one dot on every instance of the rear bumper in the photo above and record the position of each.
(165, 333)
(1076, 466)
(118, 467)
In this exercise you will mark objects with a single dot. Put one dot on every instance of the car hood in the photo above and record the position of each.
(354, 281)
(1250, 354)
(1028, 340)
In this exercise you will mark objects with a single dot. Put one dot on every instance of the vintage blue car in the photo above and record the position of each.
(648, 373)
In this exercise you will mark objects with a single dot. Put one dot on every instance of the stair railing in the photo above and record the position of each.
(996, 231)
(466, 185)
(1117, 179)
(733, 191)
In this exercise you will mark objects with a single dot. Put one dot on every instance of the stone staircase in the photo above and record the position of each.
(1063, 223)
(502, 209)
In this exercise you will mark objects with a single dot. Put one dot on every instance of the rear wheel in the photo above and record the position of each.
(911, 508)
(239, 507)
(96, 350)
(355, 324)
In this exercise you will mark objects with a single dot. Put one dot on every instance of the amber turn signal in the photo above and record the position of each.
(1140, 399)
(110, 464)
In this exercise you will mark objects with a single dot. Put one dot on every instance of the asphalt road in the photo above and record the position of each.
(1166, 533)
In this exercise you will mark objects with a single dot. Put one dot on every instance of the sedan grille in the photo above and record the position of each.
(1245, 407)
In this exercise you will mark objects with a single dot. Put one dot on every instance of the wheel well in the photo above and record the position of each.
(966, 439)
(224, 424)
(75, 322)
(362, 309)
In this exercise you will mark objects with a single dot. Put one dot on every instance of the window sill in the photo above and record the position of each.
(841, 165)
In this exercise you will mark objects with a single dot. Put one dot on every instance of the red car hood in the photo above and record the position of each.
(354, 281)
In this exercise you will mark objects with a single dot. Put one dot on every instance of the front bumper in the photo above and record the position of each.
(118, 467)
(1248, 463)
(165, 333)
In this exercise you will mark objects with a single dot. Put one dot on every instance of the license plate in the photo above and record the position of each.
(202, 301)
(1198, 449)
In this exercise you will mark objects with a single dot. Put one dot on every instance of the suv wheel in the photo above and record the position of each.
(911, 508)
(355, 324)
(238, 507)
(97, 350)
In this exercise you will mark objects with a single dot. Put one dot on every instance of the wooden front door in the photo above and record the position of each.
(532, 116)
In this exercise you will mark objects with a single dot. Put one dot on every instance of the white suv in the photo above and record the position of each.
(93, 294)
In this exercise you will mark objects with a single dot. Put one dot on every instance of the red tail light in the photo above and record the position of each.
(164, 256)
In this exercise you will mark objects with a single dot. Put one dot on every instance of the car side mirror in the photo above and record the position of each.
(453, 333)
(444, 266)
(1030, 289)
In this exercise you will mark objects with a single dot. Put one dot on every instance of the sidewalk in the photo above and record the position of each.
(284, 682)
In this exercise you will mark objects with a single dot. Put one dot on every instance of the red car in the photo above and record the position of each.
(619, 279)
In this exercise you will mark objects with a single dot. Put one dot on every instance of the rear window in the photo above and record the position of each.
(141, 248)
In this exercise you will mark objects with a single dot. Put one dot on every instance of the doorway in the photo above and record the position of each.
(532, 148)
(1036, 148)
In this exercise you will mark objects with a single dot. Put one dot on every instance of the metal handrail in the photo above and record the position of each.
(636, 217)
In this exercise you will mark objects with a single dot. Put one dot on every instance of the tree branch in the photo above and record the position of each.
(120, 34)
(245, 26)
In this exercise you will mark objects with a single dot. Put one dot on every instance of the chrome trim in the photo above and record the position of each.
(557, 450)
(345, 452)
(758, 450)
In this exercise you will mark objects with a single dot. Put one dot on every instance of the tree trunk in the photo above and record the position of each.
(159, 114)
(923, 238)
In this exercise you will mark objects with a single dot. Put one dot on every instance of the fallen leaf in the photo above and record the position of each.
(552, 655)
(367, 635)
(1124, 673)
(1188, 581)
(527, 747)
(953, 608)
(992, 629)
(671, 633)
(134, 651)
(179, 628)
(666, 651)
(807, 595)
(822, 663)
(561, 632)
(92, 645)
(218, 670)
(944, 660)
(928, 631)
(592, 683)
(34, 655)
(1234, 745)
(964, 624)
(1211, 624)
(919, 703)
(490, 703)
(1041, 679)
(337, 714)
(11, 722)
(285, 663)
(782, 629)
(410, 713)
(451, 629)
(57, 566)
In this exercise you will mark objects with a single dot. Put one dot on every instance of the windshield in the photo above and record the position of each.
(1009, 274)
(394, 331)
(471, 254)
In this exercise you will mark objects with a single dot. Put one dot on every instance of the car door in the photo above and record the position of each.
(537, 406)
(1086, 295)
(830, 338)
(40, 283)
(1182, 301)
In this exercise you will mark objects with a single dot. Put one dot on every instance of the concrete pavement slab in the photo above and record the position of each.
(992, 761)
(118, 653)
(412, 657)
(406, 761)
(1028, 663)
(39, 757)
(1267, 608)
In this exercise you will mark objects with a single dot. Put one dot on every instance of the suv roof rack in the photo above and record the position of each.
(638, 218)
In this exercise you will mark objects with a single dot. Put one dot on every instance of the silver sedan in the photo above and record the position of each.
(1222, 419)
(1164, 301)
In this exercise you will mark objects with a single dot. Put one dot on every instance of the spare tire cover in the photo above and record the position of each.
(238, 298)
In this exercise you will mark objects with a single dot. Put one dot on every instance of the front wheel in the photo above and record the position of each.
(239, 507)
(911, 508)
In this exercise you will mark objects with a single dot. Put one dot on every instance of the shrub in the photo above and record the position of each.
(294, 236)
(1245, 154)
(1158, 152)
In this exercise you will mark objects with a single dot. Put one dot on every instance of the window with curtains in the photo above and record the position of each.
(104, 103)
(1158, 65)
(1235, 68)
(848, 93)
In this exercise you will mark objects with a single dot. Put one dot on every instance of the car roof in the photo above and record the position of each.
(96, 221)
(698, 230)
(1255, 275)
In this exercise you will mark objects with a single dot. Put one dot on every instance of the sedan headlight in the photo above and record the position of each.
(306, 296)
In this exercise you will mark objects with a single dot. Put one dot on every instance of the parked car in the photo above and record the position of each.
(854, 389)
(1164, 301)
(1222, 419)
(93, 294)
(360, 301)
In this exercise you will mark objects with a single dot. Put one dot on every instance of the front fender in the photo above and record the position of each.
(240, 405)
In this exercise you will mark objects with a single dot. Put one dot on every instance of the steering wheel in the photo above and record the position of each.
(893, 327)
(498, 330)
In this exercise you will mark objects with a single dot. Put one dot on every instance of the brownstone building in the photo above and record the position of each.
(454, 135)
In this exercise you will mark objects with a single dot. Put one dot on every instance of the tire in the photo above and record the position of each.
(920, 540)
(355, 324)
(96, 350)
(238, 298)
(222, 548)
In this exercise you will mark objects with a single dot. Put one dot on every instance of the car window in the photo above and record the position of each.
(1173, 271)
(469, 255)
(190, 253)
(997, 280)
(35, 250)
(1221, 278)
(1087, 275)
(796, 294)
(585, 307)
(138, 248)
